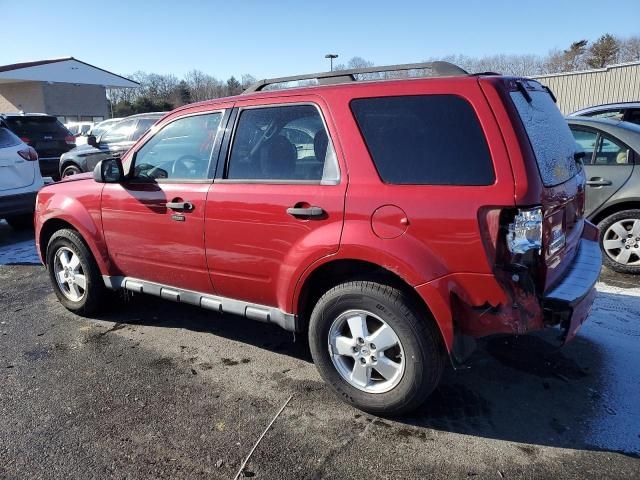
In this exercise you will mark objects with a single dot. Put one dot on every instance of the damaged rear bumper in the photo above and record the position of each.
(567, 304)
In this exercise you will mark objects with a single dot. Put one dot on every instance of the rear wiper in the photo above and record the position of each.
(553, 97)
(523, 90)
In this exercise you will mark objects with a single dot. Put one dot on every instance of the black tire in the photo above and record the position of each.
(423, 350)
(21, 222)
(604, 225)
(71, 170)
(95, 292)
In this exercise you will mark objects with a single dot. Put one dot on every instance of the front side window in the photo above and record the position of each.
(611, 152)
(425, 140)
(120, 132)
(586, 141)
(288, 143)
(181, 150)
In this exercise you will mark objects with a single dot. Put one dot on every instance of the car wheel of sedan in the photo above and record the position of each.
(74, 273)
(620, 241)
(71, 170)
(375, 348)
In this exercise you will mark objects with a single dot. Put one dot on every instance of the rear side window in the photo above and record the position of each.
(8, 139)
(25, 126)
(549, 135)
(424, 140)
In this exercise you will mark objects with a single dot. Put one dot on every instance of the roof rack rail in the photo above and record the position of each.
(439, 69)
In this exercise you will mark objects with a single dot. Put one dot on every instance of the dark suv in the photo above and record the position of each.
(45, 134)
(394, 221)
(112, 143)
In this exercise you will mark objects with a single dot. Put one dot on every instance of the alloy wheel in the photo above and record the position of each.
(70, 274)
(366, 351)
(621, 241)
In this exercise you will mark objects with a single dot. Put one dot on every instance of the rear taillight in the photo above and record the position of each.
(28, 154)
(25, 139)
(71, 140)
(525, 232)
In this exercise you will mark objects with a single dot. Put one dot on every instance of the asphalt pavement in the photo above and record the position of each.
(153, 389)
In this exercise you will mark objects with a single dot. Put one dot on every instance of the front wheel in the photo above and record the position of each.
(71, 170)
(74, 273)
(620, 241)
(375, 348)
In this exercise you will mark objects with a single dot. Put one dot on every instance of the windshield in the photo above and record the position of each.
(549, 135)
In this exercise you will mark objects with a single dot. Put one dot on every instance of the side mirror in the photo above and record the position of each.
(91, 140)
(109, 171)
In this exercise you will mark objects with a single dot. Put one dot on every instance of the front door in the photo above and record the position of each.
(608, 166)
(154, 222)
(278, 203)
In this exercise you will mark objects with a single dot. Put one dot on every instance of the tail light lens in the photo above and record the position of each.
(25, 139)
(71, 140)
(28, 154)
(525, 232)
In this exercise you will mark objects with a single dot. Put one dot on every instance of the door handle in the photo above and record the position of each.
(305, 212)
(598, 182)
(184, 206)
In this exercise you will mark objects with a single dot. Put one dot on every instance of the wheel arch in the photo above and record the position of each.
(335, 271)
(626, 204)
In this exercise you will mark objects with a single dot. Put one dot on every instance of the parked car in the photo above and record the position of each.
(20, 180)
(101, 127)
(45, 134)
(78, 129)
(625, 111)
(612, 149)
(432, 212)
(113, 142)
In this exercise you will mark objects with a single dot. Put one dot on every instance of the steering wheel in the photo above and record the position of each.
(183, 167)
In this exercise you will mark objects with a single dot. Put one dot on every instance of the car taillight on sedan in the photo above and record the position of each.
(70, 140)
(29, 154)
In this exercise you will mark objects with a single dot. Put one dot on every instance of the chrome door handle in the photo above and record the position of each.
(305, 212)
(599, 182)
(183, 206)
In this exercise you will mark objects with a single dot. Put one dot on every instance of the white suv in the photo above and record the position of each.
(20, 180)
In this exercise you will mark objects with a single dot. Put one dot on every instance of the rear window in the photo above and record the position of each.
(25, 126)
(425, 140)
(8, 139)
(549, 135)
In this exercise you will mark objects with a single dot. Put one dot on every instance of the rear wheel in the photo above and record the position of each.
(71, 170)
(74, 273)
(21, 222)
(375, 348)
(620, 241)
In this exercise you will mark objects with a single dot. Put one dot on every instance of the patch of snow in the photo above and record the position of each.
(21, 252)
(614, 326)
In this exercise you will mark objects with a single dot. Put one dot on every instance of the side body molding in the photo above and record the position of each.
(253, 311)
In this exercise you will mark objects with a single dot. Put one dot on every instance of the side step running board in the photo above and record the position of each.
(261, 313)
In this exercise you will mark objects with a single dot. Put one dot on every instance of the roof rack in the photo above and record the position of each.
(438, 69)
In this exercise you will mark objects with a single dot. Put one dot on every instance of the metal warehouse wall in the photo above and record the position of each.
(576, 90)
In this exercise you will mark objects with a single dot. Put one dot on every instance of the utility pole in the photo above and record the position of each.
(331, 56)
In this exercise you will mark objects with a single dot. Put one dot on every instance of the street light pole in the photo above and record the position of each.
(331, 56)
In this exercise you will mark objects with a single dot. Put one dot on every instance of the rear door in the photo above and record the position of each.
(608, 165)
(274, 208)
(154, 221)
(15, 171)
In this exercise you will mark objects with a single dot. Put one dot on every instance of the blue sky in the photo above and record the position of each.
(274, 38)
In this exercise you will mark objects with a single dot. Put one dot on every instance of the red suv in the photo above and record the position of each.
(394, 220)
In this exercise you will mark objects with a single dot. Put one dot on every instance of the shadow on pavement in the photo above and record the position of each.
(515, 389)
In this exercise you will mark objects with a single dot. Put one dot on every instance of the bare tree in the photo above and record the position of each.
(630, 49)
(604, 51)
